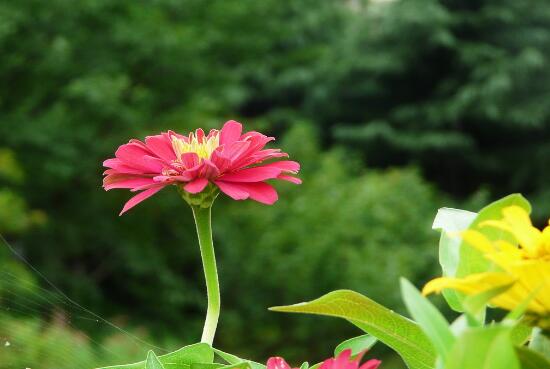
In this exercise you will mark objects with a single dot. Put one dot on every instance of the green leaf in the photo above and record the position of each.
(430, 319)
(540, 343)
(182, 358)
(530, 359)
(206, 366)
(459, 259)
(356, 344)
(474, 304)
(472, 260)
(232, 359)
(521, 333)
(305, 365)
(152, 361)
(241, 365)
(396, 331)
(449, 221)
(484, 348)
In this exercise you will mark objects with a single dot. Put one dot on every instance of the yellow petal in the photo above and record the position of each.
(546, 238)
(498, 224)
(528, 236)
(478, 240)
(534, 275)
(472, 284)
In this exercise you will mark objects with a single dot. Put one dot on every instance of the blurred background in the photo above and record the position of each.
(394, 108)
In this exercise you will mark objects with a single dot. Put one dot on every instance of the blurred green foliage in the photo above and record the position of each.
(31, 342)
(454, 88)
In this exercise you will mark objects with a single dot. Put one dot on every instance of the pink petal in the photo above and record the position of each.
(371, 364)
(291, 179)
(136, 156)
(177, 135)
(186, 177)
(342, 361)
(232, 190)
(118, 166)
(286, 165)
(199, 133)
(124, 181)
(140, 197)
(235, 150)
(257, 156)
(161, 146)
(190, 159)
(220, 160)
(277, 363)
(256, 174)
(257, 140)
(196, 186)
(327, 364)
(111, 163)
(192, 173)
(209, 170)
(260, 191)
(212, 133)
(231, 132)
(131, 152)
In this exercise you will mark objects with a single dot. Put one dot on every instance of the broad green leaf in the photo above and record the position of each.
(206, 366)
(472, 260)
(449, 221)
(305, 365)
(356, 344)
(396, 331)
(232, 359)
(241, 365)
(152, 361)
(530, 359)
(434, 325)
(182, 358)
(484, 348)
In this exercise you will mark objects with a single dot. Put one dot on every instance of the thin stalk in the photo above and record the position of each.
(204, 231)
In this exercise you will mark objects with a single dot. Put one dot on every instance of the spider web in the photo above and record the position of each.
(42, 328)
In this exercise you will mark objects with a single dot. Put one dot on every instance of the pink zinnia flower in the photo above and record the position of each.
(342, 361)
(227, 159)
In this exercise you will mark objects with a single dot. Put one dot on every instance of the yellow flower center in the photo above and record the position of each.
(203, 147)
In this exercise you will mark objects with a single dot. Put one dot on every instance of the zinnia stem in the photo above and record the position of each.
(204, 231)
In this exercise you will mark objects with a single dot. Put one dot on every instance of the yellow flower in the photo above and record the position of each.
(525, 268)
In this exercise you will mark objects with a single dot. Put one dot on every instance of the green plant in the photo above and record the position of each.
(430, 342)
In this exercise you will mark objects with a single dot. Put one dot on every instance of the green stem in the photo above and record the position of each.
(204, 231)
